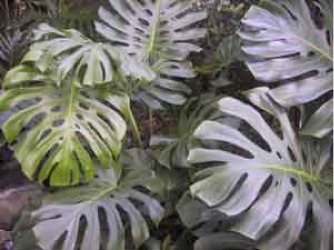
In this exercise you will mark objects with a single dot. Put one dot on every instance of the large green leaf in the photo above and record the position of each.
(91, 62)
(60, 132)
(152, 28)
(270, 182)
(289, 45)
(94, 216)
(160, 33)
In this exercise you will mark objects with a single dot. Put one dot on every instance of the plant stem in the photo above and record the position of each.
(150, 113)
(135, 129)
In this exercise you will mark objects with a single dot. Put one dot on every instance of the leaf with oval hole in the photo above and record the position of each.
(152, 28)
(273, 185)
(90, 62)
(160, 33)
(288, 46)
(97, 215)
(62, 132)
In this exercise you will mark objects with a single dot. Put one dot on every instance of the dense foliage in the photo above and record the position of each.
(171, 124)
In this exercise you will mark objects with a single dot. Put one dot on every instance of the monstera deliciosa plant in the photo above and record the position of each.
(265, 186)
(66, 117)
(231, 169)
(161, 34)
(289, 47)
(68, 105)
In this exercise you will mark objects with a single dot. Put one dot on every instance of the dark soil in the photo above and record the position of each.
(16, 193)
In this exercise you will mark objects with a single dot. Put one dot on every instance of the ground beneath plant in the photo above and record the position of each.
(16, 193)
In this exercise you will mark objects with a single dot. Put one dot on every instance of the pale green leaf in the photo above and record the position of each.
(160, 33)
(104, 206)
(90, 62)
(287, 44)
(270, 184)
(145, 28)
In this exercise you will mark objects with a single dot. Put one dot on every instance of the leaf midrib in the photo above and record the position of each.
(102, 194)
(314, 47)
(69, 111)
(95, 198)
(154, 29)
(286, 169)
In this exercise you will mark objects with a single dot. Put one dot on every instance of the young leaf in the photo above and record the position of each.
(175, 147)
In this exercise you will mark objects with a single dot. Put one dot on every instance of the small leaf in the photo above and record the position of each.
(320, 123)
(224, 241)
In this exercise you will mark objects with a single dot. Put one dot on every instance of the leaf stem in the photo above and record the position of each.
(150, 113)
(135, 129)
